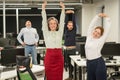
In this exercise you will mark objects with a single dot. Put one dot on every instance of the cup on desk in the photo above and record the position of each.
(77, 52)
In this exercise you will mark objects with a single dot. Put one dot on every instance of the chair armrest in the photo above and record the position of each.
(114, 73)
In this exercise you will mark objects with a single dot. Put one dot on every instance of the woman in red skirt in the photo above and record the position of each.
(53, 61)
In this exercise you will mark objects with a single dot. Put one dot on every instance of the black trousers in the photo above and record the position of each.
(67, 60)
(96, 69)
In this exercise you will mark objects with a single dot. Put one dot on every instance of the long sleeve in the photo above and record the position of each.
(69, 35)
(44, 24)
(62, 19)
(70, 17)
(107, 25)
(36, 36)
(30, 36)
(53, 39)
(93, 46)
(19, 36)
(92, 25)
(44, 21)
(74, 22)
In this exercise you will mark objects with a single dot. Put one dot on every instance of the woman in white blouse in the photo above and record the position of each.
(53, 33)
(96, 37)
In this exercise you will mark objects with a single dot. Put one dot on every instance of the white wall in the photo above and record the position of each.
(87, 15)
(111, 8)
(78, 20)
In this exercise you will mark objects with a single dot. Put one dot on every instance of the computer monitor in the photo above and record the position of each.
(82, 50)
(108, 50)
(81, 39)
(8, 56)
(111, 50)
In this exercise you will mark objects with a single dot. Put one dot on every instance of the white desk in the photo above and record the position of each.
(81, 63)
(38, 48)
(41, 49)
(13, 73)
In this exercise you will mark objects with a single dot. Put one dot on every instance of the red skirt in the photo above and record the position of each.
(54, 63)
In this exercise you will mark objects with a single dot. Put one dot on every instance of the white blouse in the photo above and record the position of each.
(53, 39)
(93, 46)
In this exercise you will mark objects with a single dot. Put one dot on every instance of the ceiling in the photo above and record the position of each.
(34, 6)
(37, 3)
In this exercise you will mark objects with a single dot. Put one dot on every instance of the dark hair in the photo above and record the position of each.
(70, 22)
(27, 20)
(101, 29)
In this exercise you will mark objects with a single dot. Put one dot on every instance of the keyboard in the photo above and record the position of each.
(7, 69)
(107, 61)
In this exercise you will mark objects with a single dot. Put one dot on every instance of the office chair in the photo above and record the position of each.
(23, 68)
(114, 75)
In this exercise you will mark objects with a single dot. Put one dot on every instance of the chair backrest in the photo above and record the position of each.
(22, 61)
(25, 72)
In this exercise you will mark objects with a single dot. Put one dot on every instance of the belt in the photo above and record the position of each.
(70, 47)
(30, 44)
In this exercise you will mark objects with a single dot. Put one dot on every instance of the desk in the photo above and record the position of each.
(81, 63)
(13, 73)
(38, 48)
(40, 52)
(76, 61)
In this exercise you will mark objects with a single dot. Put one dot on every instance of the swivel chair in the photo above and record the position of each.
(114, 75)
(23, 68)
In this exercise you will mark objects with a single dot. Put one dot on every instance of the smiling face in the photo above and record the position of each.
(52, 24)
(28, 23)
(98, 32)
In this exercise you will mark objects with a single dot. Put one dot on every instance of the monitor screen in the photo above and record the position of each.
(8, 56)
(82, 50)
(108, 50)
(111, 50)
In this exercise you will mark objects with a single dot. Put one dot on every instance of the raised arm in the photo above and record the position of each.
(44, 5)
(70, 16)
(62, 6)
(62, 17)
(44, 16)
(93, 24)
(107, 25)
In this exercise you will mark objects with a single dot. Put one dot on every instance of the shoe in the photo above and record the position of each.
(68, 79)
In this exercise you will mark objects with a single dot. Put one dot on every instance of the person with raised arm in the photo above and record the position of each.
(96, 37)
(69, 40)
(53, 33)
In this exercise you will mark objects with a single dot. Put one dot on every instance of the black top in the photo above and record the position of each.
(69, 35)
